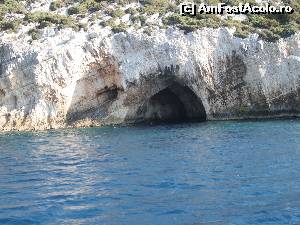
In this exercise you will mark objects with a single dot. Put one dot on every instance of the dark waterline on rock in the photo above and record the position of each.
(234, 172)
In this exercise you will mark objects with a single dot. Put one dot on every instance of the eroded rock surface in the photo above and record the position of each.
(92, 78)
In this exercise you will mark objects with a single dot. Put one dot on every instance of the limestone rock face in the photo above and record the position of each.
(82, 78)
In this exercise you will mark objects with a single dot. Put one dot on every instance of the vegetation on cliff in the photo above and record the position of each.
(71, 13)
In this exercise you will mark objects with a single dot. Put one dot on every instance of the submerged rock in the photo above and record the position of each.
(89, 78)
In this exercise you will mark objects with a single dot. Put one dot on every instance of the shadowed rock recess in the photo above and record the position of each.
(95, 77)
(175, 103)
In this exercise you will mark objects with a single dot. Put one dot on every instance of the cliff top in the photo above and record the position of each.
(32, 16)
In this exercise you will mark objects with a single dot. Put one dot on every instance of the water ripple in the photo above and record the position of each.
(206, 173)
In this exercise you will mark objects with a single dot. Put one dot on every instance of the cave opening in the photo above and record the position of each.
(176, 103)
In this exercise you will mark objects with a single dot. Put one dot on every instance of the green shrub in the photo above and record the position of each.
(269, 27)
(34, 33)
(56, 5)
(12, 6)
(44, 24)
(74, 10)
(11, 25)
(139, 18)
(158, 6)
(85, 6)
(118, 13)
(119, 28)
(45, 19)
(95, 17)
(108, 23)
(131, 11)
(90, 6)
(115, 12)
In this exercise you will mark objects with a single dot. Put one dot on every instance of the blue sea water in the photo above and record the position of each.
(193, 173)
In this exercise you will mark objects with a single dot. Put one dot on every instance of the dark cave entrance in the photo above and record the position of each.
(176, 103)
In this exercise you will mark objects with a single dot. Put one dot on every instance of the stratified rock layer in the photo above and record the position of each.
(92, 78)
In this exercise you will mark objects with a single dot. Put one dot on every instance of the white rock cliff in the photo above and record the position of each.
(82, 78)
